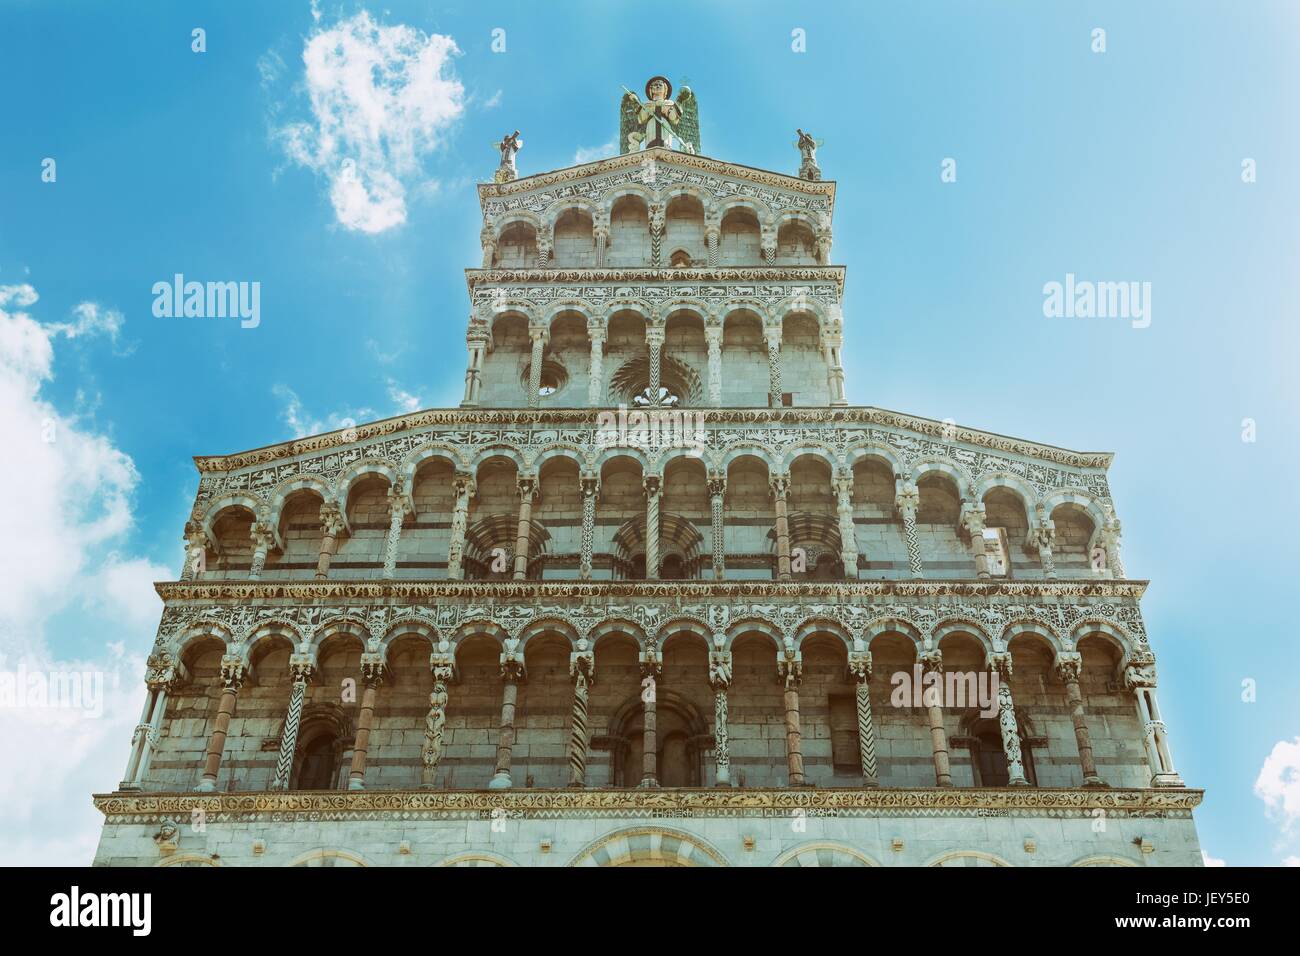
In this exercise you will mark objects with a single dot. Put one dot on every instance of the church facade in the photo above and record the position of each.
(655, 593)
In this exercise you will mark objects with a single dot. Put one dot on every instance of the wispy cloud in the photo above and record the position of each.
(403, 400)
(302, 424)
(381, 99)
(589, 154)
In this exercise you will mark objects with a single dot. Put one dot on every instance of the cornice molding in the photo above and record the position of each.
(406, 804)
(532, 417)
(763, 177)
(476, 277)
(510, 591)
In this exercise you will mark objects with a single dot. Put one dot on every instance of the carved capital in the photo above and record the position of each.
(1068, 667)
(860, 665)
(720, 670)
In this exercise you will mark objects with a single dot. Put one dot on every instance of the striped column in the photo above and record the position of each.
(582, 667)
(860, 669)
(301, 668)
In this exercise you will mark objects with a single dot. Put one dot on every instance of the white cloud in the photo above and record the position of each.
(493, 101)
(589, 154)
(1291, 861)
(1211, 860)
(382, 97)
(74, 485)
(68, 603)
(403, 400)
(1278, 783)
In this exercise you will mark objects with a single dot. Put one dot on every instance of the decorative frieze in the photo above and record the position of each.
(476, 804)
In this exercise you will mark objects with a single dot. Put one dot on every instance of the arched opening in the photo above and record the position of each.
(750, 518)
(300, 530)
(684, 231)
(937, 519)
(741, 239)
(796, 244)
(232, 552)
(745, 379)
(1074, 531)
(361, 553)
(517, 247)
(575, 242)
(629, 232)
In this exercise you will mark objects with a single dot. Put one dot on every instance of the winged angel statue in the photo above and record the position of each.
(659, 120)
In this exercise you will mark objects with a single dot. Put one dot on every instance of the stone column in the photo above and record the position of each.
(331, 526)
(653, 484)
(907, 500)
(932, 663)
(789, 668)
(464, 487)
(233, 673)
(589, 485)
(1043, 538)
(654, 342)
(772, 334)
(651, 667)
(301, 667)
(488, 240)
(477, 340)
(717, 532)
(399, 506)
(539, 335)
(656, 235)
(512, 672)
(1140, 678)
(596, 380)
(823, 240)
(843, 485)
(1000, 668)
(195, 552)
(145, 739)
(832, 343)
(582, 668)
(263, 540)
(600, 232)
(768, 244)
(713, 336)
(860, 671)
(1069, 668)
(545, 246)
(527, 489)
(1108, 537)
(972, 519)
(372, 675)
(720, 681)
(712, 236)
(780, 485)
(443, 665)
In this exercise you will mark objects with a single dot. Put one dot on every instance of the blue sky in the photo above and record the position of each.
(1117, 166)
